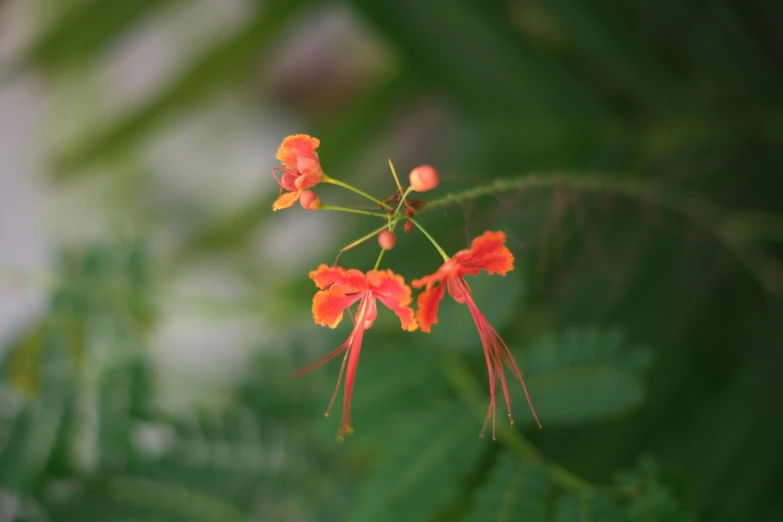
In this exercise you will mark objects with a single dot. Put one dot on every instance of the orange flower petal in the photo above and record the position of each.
(391, 290)
(347, 280)
(428, 303)
(487, 252)
(329, 305)
(295, 147)
(428, 281)
(389, 285)
(405, 313)
(286, 200)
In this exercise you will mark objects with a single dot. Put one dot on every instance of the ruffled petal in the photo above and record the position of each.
(428, 280)
(347, 280)
(295, 147)
(329, 305)
(487, 252)
(405, 313)
(428, 303)
(286, 200)
(389, 285)
(391, 290)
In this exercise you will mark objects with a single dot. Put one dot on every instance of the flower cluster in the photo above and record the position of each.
(339, 289)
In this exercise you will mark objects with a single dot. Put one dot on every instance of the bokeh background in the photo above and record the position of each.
(153, 307)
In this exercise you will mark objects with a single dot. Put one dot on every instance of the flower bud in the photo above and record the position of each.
(310, 200)
(424, 178)
(387, 240)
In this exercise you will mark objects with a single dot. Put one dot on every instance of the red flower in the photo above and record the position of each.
(339, 289)
(488, 253)
(302, 168)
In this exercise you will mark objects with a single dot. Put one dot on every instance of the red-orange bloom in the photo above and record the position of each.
(488, 253)
(301, 166)
(341, 288)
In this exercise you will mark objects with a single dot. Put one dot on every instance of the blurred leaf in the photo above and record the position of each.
(610, 45)
(122, 497)
(421, 472)
(583, 374)
(80, 372)
(649, 496)
(464, 50)
(87, 28)
(589, 506)
(514, 490)
(219, 66)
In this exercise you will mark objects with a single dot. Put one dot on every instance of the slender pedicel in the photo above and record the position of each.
(353, 211)
(359, 242)
(327, 179)
(440, 250)
(393, 224)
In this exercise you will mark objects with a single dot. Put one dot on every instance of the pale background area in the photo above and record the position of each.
(203, 163)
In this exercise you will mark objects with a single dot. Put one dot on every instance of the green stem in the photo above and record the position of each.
(393, 224)
(394, 173)
(353, 211)
(402, 201)
(440, 250)
(359, 241)
(327, 179)
(767, 270)
(468, 388)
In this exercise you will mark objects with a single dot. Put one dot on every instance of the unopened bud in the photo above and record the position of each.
(310, 200)
(424, 178)
(387, 240)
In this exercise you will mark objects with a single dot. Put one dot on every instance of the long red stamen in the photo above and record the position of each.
(494, 364)
(323, 360)
(496, 352)
(351, 345)
(353, 362)
(349, 342)
(279, 182)
(505, 354)
(491, 365)
(491, 411)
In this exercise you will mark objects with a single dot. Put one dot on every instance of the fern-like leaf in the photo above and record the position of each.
(589, 506)
(515, 490)
(422, 471)
(583, 374)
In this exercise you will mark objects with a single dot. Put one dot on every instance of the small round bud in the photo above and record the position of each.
(424, 178)
(310, 200)
(387, 240)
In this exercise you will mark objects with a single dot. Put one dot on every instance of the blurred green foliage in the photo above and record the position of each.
(645, 310)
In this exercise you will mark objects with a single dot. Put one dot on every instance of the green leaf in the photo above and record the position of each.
(126, 497)
(608, 43)
(651, 498)
(589, 506)
(441, 39)
(515, 490)
(583, 374)
(422, 470)
(81, 372)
